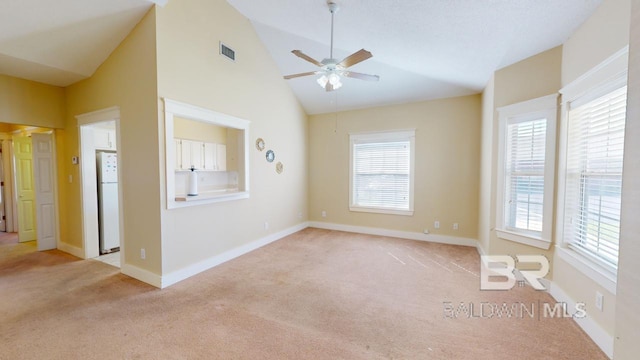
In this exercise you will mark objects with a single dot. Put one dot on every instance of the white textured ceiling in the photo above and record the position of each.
(63, 41)
(422, 49)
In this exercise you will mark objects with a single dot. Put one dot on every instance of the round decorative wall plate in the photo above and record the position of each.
(270, 156)
(260, 144)
(279, 167)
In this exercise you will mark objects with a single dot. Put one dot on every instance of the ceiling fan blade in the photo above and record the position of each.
(304, 56)
(358, 56)
(361, 76)
(293, 76)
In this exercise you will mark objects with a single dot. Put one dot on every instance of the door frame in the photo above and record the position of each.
(88, 181)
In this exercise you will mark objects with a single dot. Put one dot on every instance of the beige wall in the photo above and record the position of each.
(190, 70)
(126, 79)
(31, 103)
(627, 330)
(447, 164)
(199, 131)
(604, 33)
(531, 78)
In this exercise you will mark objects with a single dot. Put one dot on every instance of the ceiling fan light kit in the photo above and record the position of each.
(331, 70)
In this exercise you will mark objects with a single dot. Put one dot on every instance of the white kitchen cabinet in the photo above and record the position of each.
(104, 139)
(221, 157)
(215, 157)
(201, 155)
(191, 154)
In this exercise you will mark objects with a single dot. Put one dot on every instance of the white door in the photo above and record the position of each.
(25, 188)
(43, 174)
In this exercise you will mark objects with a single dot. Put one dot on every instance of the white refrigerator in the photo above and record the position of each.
(108, 213)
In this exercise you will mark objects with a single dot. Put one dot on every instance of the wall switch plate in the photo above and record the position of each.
(599, 300)
(436, 224)
(143, 254)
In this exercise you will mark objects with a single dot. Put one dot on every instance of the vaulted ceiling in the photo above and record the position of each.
(422, 49)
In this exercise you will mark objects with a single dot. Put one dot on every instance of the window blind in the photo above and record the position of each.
(594, 176)
(381, 175)
(524, 175)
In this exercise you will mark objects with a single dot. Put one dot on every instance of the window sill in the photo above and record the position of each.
(381, 211)
(209, 197)
(524, 239)
(602, 276)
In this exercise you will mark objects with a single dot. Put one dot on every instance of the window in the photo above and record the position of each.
(593, 192)
(196, 123)
(526, 173)
(382, 172)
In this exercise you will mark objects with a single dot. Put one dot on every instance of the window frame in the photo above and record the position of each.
(378, 137)
(583, 99)
(545, 107)
(612, 71)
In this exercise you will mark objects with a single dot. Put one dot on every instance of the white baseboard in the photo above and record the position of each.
(179, 275)
(595, 331)
(73, 250)
(443, 239)
(142, 275)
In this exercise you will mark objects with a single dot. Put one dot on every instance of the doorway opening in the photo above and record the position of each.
(28, 196)
(101, 194)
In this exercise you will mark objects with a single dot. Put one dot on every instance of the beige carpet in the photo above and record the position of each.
(316, 294)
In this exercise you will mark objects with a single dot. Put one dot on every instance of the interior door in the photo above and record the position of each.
(3, 223)
(43, 174)
(22, 151)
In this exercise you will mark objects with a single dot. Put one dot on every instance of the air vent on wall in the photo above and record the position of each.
(227, 52)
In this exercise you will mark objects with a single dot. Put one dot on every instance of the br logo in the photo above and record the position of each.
(499, 267)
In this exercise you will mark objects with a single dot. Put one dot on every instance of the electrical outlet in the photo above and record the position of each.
(599, 300)
(300, 215)
(426, 231)
(324, 213)
(143, 254)
(455, 226)
(436, 224)
(266, 225)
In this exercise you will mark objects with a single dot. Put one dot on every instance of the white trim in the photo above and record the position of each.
(606, 76)
(99, 116)
(590, 269)
(70, 249)
(613, 67)
(543, 107)
(603, 339)
(442, 239)
(529, 106)
(143, 275)
(87, 179)
(380, 137)
(191, 270)
(196, 113)
(523, 239)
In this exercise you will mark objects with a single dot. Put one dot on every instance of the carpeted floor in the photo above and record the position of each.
(316, 294)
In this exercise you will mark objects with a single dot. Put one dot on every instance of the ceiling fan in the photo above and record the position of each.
(331, 69)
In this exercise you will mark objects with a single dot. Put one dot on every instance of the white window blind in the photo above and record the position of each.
(381, 172)
(594, 176)
(524, 175)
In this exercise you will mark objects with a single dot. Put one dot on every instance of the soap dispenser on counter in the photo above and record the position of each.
(193, 183)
